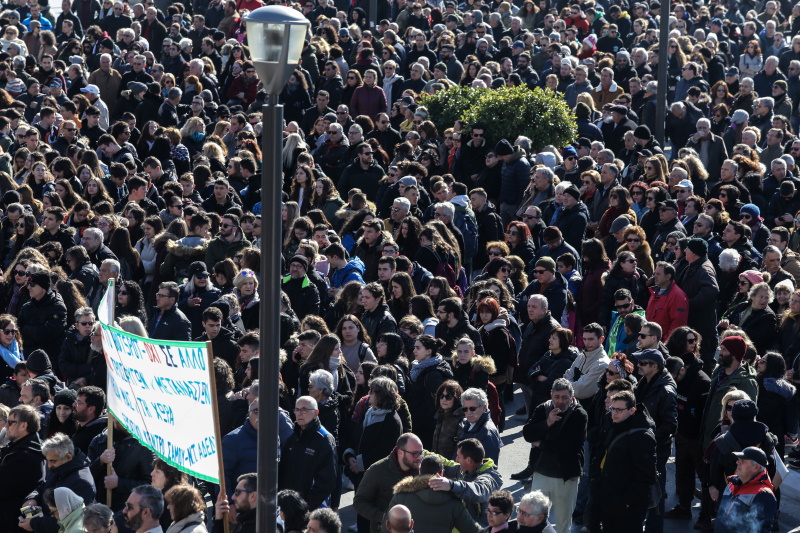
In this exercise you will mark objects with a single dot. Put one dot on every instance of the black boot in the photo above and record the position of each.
(528, 472)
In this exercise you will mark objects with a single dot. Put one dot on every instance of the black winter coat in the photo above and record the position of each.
(74, 360)
(562, 442)
(377, 440)
(760, 325)
(173, 326)
(660, 397)
(552, 366)
(452, 335)
(73, 475)
(303, 295)
(692, 393)
(43, 323)
(22, 470)
(308, 463)
(630, 464)
(133, 464)
(195, 313)
(421, 400)
(224, 347)
(699, 282)
(534, 345)
(378, 322)
(614, 281)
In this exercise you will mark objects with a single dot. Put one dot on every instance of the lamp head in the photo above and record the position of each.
(276, 35)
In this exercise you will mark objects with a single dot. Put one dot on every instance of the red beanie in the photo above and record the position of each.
(736, 346)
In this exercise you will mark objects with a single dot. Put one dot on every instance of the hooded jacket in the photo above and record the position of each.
(70, 508)
(514, 178)
(433, 511)
(751, 503)
(303, 295)
(572, 224)
(43, 323)
(353, 270)
(181, 254)
(552, 366)
(448, 427)
(377, 489)
(219, 249)
(743, 379)
(474, 488)
(585, 372)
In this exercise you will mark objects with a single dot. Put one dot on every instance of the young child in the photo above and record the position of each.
(14, 85)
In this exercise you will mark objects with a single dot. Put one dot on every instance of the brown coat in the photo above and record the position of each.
(108, 85)
(445, 435)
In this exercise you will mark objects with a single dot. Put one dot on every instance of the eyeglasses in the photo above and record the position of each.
(9, 331)
(691, 340)
(611, 372)
(645, 335)
(446, 397)
(622, 306)
(472, 409)
(728, 408)
(495, 513)
(10, 422)
(240, 491)
(646, 363)
(158, 295)
(19, 225)
(539, 271)
(619, 410)
(412, 454)
(89, 323)
(203, 275)
(633, 240)
(303, 410)
(19, 272)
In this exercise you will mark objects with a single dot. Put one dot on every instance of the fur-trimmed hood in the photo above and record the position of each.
(412, 484)
(188, 247)
(164, 239)
(485, 364)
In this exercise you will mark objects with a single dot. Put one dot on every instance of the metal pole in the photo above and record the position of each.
(663, 77)
(373, 15)
(269, 315)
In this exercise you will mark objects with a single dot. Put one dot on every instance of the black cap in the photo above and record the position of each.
(752, 453)
(198, 267)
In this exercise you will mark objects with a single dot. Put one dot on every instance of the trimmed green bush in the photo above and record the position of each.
(541, 115)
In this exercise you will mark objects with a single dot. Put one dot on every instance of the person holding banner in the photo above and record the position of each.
(131, 462)
(244, 501)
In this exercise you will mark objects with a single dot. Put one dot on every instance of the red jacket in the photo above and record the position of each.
(240, 85)
(368, 102)
(669, 310)
(752, 503)
(579, 22)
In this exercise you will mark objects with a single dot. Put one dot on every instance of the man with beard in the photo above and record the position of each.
(730, 374)
(245, 499)
(88, 412)
(373, 495)
(143, 509)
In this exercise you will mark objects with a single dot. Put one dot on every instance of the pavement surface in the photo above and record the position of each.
(514, 457)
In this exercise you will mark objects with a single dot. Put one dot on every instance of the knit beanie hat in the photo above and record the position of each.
(547, 263)
(591, 40)
(736, 346)
(65, 397)
(38, 362)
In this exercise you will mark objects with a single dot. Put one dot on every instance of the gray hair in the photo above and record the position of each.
(767, 101)
(651, 87)
(97, 515)
(254, 388)
(84, 311)
(404, 202)
(546, 172)
(94, 232)
(113, 263)
(357, 127)
(322, 380)
(446, 207)
(334, 125)
(777, 161)
(728, 259)
(537, 502)
(563, 384)
(772, 249)
(150, 498)
(734, 165)
(175, 93)
(59, 443)
(539, 298)
(475, 394)
(682, 171)
(309, 399)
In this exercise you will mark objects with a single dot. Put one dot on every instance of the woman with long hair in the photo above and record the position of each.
(439, 289)
(435, 250)
(303, 188)
(25, 227)
(62, 418)
(146, 246)
(355, 342)
(326, 198)
(65, 191)
(519, 240)
(624, 274)
(40, 179)
(428, 371)
(449, 415)
(301, 228)
(775, 394)
(421, 307)
(497, 343)
(755, 317)
(352, 81)
(401, 291)
(295, 97)
(71, 295)
(408, 238)
(326, 355)
(224, 272)
(619, 204)
(347, 302)
(95, 192)
(751, 61)
(129, 259)
(130, 301)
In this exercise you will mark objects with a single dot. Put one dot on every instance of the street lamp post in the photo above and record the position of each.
(275, 35)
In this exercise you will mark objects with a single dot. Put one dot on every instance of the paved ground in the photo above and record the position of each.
(514, 457)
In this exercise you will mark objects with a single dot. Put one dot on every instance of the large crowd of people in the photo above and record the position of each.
(641, 297)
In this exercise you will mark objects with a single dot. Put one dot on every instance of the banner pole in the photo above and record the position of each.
(217, 429)
(110, 441)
